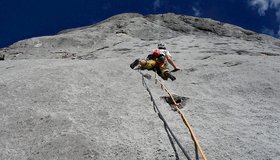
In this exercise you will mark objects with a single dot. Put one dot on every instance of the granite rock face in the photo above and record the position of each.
(2, 57)
(74, 96)
(85, 42)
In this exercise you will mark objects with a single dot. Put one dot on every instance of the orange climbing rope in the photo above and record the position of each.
(183, 117)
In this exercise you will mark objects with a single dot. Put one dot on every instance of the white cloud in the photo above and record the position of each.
(156, 4)
(275, 3)
(262, 5)
(196, 11)
(268, 31)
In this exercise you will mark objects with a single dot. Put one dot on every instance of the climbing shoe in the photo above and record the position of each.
(169, 75)
(175, 70)
(134, 64)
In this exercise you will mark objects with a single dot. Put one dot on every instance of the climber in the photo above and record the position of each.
(164, 51)
(156, 62)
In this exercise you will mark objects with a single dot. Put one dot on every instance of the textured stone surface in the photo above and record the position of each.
(73, 95)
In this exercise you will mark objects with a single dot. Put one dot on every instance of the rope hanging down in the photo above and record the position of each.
(183, 117)
(156, 109)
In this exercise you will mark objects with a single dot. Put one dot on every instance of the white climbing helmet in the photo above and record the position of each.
(161, 46)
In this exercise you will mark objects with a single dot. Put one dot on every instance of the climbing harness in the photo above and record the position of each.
(176, 106)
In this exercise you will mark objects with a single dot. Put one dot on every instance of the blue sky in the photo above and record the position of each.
(21, 19)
